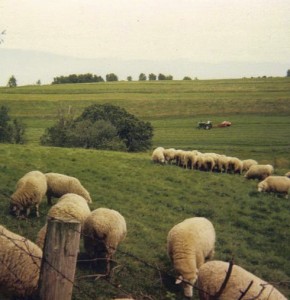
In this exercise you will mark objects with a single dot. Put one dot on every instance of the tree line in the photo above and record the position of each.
(89, 78)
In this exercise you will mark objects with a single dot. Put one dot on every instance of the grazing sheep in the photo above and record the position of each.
(259, 172)
(212, 274)
(70, 206)
(235, 165)
(287, 174)
(158, 155)
(205, 162)
(30, 189)
(20, 261)
(192, 158)
(186, 159)
(223, 163)
(60, 184)
(179, 157)
(276, 184)
(169, 155)
(247, 163)
(189, 244)
(103, 230)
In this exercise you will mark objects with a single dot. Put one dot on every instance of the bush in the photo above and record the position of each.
(136, 134)
(101, 127)
(10, 132)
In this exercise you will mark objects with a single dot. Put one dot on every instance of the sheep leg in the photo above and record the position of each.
(27, 211)
(37, 210)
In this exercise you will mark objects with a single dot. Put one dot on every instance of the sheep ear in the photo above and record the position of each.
(179, 280)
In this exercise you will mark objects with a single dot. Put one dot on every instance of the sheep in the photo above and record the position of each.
(70, 206)
(189, 244)
(279, 184)
(169, 155)
(235, 165)
(103, 230)
(186, 159)
(158, 155)
(247, 163)
(212, 275)
(60, 184)
(30, 189)
(192, 158)
(20, 261)
(205, 162)
(259, 172)
(287, 174)
(222, 163)
(179, 157)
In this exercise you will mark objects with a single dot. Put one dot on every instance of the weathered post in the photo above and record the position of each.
(59, 260)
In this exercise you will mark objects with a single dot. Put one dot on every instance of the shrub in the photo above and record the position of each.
(100, 127)
(10, 132)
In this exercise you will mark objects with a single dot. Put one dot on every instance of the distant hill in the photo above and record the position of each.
(30, 66)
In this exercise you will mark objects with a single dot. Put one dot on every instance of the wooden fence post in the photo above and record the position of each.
(59, 260)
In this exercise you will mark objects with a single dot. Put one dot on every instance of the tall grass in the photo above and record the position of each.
(251, 227)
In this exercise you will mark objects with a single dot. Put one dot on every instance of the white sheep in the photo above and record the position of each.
(192, 158)
(103, 230)
(169, 155)
(179, 157)
(259, 172)
(247, 163)
(287, 174)
(222, 163)
(30, 190)
(20, 261)
(158, 155)
(186, 159)
(235, 165)
(189, 244)
(69, 207)
(205, 162)
(276, 184)
(60, 184)
(212, 275)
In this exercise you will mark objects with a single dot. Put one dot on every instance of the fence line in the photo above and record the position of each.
(116, 286)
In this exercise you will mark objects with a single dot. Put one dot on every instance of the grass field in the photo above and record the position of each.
(251, 227)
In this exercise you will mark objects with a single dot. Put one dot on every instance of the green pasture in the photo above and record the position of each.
(251, 227)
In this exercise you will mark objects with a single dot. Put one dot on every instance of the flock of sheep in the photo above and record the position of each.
(20, 259)
(190, 244)
(214, 162)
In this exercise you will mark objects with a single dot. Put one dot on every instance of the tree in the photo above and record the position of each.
(12, 82)
(288, 73)
(10, 133)
(161, 76)
(129, 78)
(169, 77)
(74, 78)
(58, 135)
(111, 77)
(136, 134)
(187, 78)
(142, 77)
(152, 76)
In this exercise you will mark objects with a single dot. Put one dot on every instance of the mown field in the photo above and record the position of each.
(252, 228)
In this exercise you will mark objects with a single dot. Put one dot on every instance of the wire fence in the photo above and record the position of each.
(108, 277)
(22, 245)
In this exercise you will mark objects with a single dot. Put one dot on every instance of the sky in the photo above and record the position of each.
(196, 31)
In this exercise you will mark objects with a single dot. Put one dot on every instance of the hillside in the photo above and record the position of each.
(251, 227)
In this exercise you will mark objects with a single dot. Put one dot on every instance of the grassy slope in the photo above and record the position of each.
(252, 227)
